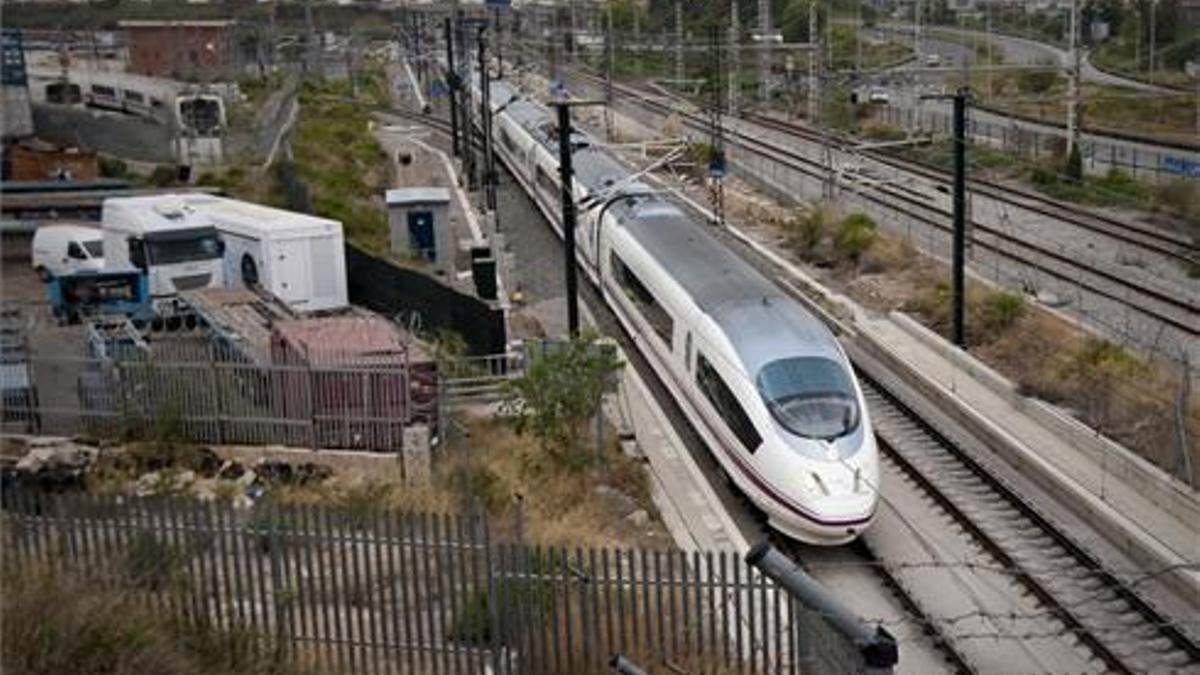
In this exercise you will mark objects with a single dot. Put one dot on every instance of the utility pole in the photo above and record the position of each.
(1073, 82)
(735, 70)
(452, 84)
(716, 165)
(678, 43)
(608, 72)
(567, 196)
(485, 120)
(989, 64)
(468, 127)
(858, 29)
(814, 53)
(764, 54)
(1153, 33)
(958, 277)
(500, 35)
(917, 28)
(637, 39)
(573, 44)
(310, 39)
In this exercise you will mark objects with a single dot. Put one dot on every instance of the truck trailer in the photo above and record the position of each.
(298, 258)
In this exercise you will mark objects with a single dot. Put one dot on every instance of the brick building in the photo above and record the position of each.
(38, 161)
(185, 50)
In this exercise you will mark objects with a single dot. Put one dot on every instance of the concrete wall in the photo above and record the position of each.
(127, 137)
(16, 115)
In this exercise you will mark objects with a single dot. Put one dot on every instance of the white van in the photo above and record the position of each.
(66, 249)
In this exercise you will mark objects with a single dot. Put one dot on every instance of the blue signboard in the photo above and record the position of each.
(1181, 166)
(716, 167)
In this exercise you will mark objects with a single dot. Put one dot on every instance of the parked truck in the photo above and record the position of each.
(178, 248)
(122, 294)
(298, 258)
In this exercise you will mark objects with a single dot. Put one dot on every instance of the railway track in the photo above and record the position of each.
(1160, 304)
(1169, 244)
(1122, 631)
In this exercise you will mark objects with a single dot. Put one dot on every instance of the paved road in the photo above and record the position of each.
(1031, 52)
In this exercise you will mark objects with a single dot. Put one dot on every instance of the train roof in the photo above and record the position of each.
(761, 321)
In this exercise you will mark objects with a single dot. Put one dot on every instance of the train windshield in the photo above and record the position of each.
(810, 396)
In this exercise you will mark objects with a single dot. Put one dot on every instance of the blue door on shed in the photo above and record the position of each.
(420, 233)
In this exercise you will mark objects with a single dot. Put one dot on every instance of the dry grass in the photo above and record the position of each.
(63, 622)
(1129, 399)
(493, 468)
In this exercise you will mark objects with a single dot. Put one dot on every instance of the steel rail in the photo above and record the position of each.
(797, 162)
(979, 487)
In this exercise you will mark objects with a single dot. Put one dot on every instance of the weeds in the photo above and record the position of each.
(854, 235)
(75, 622)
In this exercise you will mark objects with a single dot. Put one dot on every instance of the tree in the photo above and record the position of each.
(558, 395)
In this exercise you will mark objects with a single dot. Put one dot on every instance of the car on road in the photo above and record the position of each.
(933, 60)
(878, 96)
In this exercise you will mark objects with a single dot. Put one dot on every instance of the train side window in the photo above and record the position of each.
(545, 183)
(134, 96)
(727, 405)
(646, 303)
(507, 141)
(101, 90)
(687, 351)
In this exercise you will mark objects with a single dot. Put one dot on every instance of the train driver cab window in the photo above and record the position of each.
(811, 396)
(641, 297)
(726, 403)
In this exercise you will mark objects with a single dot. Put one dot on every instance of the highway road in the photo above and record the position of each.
(1024, 51)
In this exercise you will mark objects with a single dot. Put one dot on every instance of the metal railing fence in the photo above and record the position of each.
(347, 589)
(233, 402)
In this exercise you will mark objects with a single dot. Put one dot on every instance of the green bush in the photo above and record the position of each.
(854, 235)
(1036, 81)
(806, 230)
(998, 311)
(113, 167)
(164, 175)
(1075, 164)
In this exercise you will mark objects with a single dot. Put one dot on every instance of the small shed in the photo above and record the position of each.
(353, 380)
(419, 222)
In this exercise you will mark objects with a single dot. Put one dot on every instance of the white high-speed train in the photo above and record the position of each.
(764, 382)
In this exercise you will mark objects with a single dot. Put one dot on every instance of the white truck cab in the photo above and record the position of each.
(178, 248)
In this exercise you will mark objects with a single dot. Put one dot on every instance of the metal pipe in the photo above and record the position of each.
(877, 646)
(624, 666)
